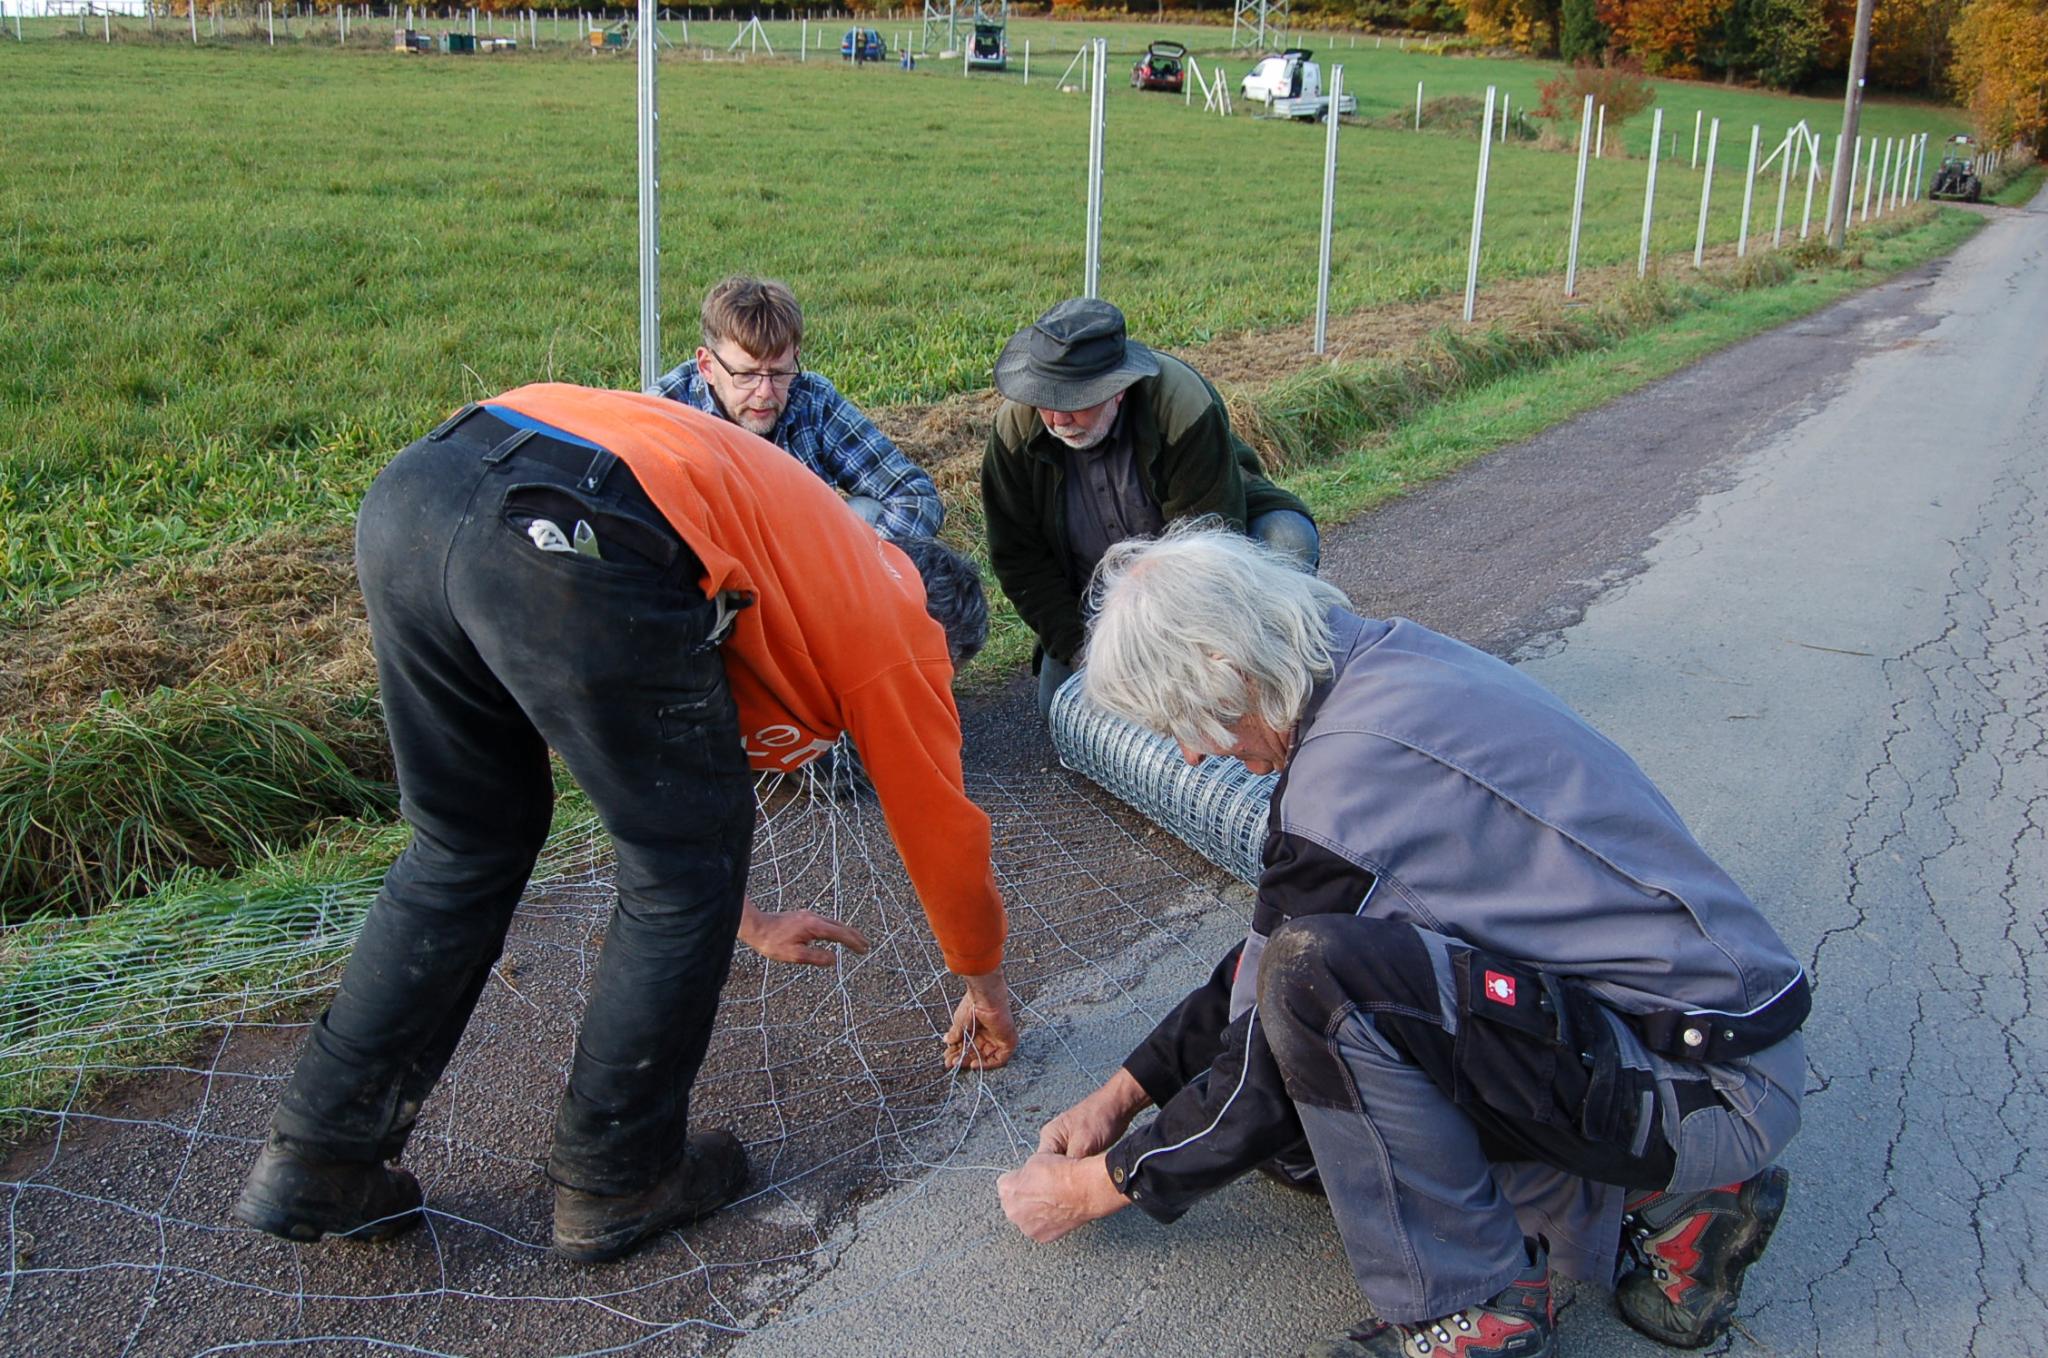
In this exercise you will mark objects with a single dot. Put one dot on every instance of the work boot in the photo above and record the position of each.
(1691, 1250)
(593, 1228)
(1516, 1322)
(302, 1196)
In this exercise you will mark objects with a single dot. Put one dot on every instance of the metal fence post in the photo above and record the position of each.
(1649, 194)
(1571, 262)
(1748, 191)
(1790, 153)
(1092, 267)
(1699, 244)
(650, 202)
(1478, 207)
(1329, 209)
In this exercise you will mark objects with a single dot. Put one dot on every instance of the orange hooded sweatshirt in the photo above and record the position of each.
(837, 639)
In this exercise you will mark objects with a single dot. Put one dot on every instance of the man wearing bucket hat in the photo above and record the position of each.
(1100, 439)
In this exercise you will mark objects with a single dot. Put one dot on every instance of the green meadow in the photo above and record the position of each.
(234, 278)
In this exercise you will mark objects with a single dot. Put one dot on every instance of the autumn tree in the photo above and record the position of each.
(1777, 42)
(2001, 68)
(1580, 34)
(1909, 42)
(1525, 25)
(1670, 37)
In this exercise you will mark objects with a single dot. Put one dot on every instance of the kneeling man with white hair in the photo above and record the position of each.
(1493, 987)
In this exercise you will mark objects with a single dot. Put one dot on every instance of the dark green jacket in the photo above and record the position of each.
(1191, 462)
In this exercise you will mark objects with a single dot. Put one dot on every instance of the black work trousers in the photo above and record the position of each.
(491, 649)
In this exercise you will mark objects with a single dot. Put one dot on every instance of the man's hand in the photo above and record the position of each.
(1093, 1125)
(1049, 1195)
(793, 935)
(983, 1035)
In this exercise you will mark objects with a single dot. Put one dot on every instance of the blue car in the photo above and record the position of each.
(862, 44)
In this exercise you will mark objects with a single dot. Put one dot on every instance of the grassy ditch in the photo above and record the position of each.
(82, 998)
(2016, 188)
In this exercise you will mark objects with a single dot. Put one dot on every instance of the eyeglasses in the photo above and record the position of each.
(776, 378)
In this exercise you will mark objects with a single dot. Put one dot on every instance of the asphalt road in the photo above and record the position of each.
(1806, 583)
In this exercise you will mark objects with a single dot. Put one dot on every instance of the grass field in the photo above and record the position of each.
(237, 277)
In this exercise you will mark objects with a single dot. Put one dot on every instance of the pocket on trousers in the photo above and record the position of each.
(1505, 1054)
(621, 543)
(699, 722)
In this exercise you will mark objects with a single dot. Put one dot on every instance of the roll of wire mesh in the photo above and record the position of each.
(1217, 807)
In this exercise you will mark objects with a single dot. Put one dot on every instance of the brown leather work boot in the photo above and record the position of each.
(302, 1197)
(594, 1228)
(1692, 1250)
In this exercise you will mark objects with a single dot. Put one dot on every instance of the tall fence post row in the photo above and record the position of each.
(1571, 261)
(1699, 244)
(1478, 207)
(1329, 209)
(1649, 195)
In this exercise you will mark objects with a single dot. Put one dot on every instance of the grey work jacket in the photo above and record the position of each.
(1432, 784)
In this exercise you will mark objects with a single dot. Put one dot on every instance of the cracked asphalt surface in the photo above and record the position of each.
(1806, 584)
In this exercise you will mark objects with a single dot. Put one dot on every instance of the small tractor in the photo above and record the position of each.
(1957, 177)
(1291, 86)
(1163, 67)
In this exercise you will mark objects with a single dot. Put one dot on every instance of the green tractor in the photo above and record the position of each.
(1957, 178)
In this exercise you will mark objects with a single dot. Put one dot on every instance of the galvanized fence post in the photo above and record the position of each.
(1649, 194)
(1329, 208)
(650, 203)
(1478, 206)
(1092, 266)
(1748, 191)
(1699, 244)
(1571, 263)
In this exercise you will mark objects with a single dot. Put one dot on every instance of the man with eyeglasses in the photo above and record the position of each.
(747, 371)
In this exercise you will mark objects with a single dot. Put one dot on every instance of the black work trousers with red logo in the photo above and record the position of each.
(496, 639)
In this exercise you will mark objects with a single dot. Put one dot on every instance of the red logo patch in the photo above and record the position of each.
(1500, 989)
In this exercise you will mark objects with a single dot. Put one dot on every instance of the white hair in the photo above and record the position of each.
(1197, 628)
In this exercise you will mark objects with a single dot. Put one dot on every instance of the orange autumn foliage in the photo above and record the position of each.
(2001, 68)
(1668, 36)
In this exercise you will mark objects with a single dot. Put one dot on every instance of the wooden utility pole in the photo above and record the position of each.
(1852, 114)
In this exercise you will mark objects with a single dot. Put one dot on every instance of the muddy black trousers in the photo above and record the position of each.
(490, 650)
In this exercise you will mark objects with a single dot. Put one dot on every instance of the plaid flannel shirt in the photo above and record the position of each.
(827, 433)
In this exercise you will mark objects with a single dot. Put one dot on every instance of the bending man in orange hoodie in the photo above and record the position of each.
(668, 602)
